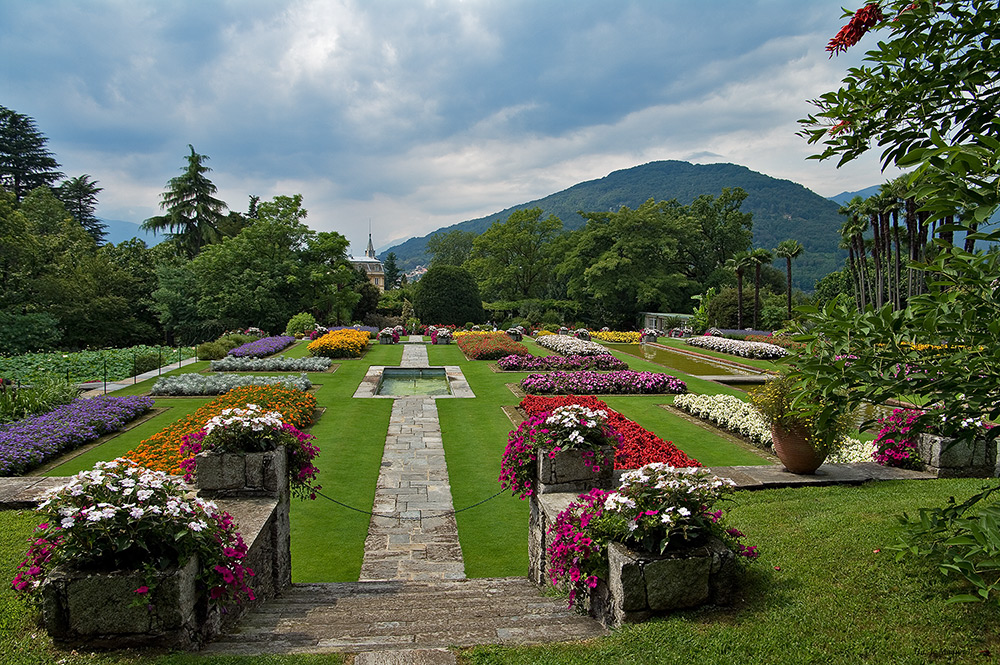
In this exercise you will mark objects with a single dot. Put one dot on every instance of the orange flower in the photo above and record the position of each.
(161, 451)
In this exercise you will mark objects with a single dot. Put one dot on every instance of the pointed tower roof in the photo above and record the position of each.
(370, 251)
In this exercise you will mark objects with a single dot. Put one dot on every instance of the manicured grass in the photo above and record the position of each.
(825, 590)
(494, 536)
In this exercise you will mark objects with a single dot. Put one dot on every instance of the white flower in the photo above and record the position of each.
(136, 512)
(67, 522)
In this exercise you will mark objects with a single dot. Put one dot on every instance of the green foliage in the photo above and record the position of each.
(448, 295)
(85, 366)
(44, 394)
(391, 271)
(512, 260)
(926, 94)
(79, 195)
(21, 333)
(451, 248)
(961, 539)
(211, 351)
(300, 323)
(25, 162)
(192, 213)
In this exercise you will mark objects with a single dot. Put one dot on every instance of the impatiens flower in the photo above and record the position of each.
(142, 589)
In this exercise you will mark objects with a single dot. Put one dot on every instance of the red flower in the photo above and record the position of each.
(863, 20)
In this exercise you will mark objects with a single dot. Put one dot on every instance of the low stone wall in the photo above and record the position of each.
(947, 458)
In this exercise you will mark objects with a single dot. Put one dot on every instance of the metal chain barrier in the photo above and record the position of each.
(400, 517)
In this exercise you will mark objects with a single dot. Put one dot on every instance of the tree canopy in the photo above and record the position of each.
(926, 95)
(511, 259)
(448, 295)
(25, 162)
(79, 195)
(192, 213)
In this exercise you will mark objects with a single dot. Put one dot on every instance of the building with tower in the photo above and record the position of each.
(371, 266)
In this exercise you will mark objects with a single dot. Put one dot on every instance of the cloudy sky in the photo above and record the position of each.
(417, 114)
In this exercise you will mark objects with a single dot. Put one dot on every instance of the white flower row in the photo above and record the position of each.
(570, 346)
(730, 413)
(852, 450)
(272, 364)
(737, 347)
(217, 384)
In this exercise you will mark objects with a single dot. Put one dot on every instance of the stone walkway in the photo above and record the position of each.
(413, 535)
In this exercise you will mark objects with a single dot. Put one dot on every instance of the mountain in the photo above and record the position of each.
(845, 197)
(781, 209)
(119, 231)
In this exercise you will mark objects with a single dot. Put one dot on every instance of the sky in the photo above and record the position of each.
(412, 115)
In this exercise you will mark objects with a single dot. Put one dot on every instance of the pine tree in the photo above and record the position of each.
(79, 195)
(24, 161)
(193, 214)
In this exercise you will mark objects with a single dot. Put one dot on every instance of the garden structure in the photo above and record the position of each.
(415, 574)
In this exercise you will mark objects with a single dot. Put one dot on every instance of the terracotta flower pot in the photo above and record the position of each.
(794, 451)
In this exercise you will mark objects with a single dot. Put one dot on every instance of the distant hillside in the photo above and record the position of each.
(845, 197)
(781, 209)
(120, 231)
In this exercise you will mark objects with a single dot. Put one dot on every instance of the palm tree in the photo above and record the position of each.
(758, 257)
(788, 250)
(738, 263)
(193, 214)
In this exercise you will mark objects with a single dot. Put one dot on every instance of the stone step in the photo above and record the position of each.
(395, 615)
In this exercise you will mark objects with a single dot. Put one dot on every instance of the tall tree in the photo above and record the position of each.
(510, 259)
(193, 214)
(391, 271)
(451, 248)
(739, 263)
(25, 163)
(759, 258)
(723, 230)
(448, 295)
(79, 195)
(788, 250)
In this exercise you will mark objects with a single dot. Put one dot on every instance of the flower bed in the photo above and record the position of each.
(783, 342)
(530, 363)
(345, 343)
(623, 382)
(275, 364)
(570, 346)
(730, 413)
(200, 384)
(617, 337)
(735, 347)
(265, 346)
(639, 446)
(162, 451)
(29, 442)
(489, 346)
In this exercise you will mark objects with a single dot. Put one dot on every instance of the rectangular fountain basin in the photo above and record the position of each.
(404, 381)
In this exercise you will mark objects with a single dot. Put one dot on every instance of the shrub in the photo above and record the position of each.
(146, 362)
(300, 323)
(448, 294)
(211, 351)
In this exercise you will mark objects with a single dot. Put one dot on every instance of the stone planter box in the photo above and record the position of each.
(648, 339)
(516, 336)
(242, 474)
(385, 339)
(641, 585)
(567, 472)
(946, 459)
(585, 336)
(564, 331)
(96, 610)
(442, 340)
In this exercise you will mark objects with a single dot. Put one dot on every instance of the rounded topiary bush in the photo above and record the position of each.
(147, 362)
(300, 324)
(211, 351)
(448, 295)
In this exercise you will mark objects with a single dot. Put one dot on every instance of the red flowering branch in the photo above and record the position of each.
(863, 20)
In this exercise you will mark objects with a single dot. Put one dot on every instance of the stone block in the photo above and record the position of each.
(220, 471)
(566, 471)
(948, 458)
(96, 610)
